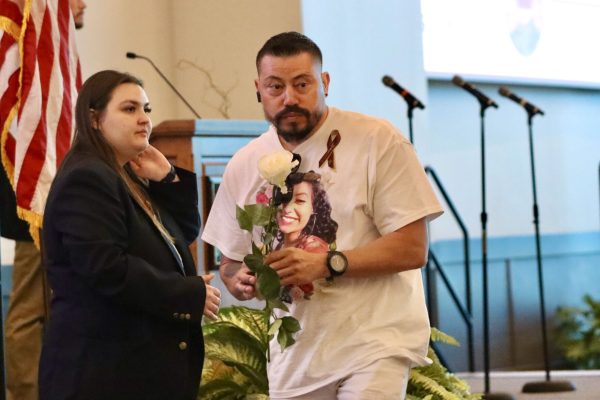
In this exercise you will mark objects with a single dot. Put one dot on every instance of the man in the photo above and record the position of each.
(77, 8)
(366, 323)
(27, 305)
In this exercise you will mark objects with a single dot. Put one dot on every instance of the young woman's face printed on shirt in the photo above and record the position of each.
(294, 216)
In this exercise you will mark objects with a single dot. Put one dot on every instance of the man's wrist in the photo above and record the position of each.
(336, 263)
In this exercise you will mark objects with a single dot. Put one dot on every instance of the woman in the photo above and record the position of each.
(125, 318)
(305, 222)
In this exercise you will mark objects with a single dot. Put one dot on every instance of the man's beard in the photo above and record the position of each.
(295, 133)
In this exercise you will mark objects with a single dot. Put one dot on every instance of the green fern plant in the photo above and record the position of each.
(578, 334)
(235, 366)
(434, 381)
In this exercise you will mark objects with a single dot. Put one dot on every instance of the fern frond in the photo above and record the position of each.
(439, 336)
(419, 379)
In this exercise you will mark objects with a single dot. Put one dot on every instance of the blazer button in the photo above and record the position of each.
(182, 345)
(188, 316)
(182, 316)
(175, 315)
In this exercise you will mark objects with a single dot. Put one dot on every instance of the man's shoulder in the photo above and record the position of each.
(363, 124)
(263, 144)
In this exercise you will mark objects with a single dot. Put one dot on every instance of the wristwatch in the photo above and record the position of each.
(170, 176)
(337, 264)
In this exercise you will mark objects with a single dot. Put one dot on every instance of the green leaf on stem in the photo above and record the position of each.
(275, 326)
(244, 219)
(290, 324)
(285, 335)
(269, 283)
(260, 214)
(284, 338)
(277, 303)
(256, 251)
(254, 262)
(268, 237)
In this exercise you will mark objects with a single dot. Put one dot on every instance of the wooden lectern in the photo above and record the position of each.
(204, 146)
(174, 139)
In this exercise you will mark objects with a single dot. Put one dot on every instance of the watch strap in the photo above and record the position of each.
(332, 272)
(170, 177)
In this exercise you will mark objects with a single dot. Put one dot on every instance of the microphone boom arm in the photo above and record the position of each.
(134, 55)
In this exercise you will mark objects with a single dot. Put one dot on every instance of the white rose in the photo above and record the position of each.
(276, 167)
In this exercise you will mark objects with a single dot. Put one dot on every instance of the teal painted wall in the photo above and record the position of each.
(571, 268)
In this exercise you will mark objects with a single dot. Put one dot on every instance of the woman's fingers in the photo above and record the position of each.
(212, 303)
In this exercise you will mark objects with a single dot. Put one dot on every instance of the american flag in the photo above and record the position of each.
(39, 79)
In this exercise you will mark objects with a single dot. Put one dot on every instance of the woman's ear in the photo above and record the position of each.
(94, 118)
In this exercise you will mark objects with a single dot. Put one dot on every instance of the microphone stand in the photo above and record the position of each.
(409, 114)
(547, 385)
(486, 335)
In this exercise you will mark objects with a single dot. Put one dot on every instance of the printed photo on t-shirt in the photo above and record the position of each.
(304, 222)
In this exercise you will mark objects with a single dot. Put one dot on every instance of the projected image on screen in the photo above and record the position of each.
(522, 41)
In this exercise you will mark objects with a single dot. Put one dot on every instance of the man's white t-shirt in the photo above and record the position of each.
(376, 187)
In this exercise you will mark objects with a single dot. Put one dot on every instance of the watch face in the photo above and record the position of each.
(338, 263)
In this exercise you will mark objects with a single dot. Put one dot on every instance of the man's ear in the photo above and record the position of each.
(258, 98)
(325, 79)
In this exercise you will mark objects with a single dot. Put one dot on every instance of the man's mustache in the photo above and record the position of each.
(290, 110)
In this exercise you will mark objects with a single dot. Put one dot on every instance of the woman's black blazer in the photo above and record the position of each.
(125, 321)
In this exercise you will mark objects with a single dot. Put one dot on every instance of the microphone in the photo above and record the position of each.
(411, 100)
(132, 55)
(483, 99)
(531, 109)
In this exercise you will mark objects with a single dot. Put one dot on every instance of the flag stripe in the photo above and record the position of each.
(11, 12)
(35, 155)
(63, 131)
(46, 74)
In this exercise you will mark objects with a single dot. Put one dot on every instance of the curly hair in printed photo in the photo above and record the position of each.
(305, 221)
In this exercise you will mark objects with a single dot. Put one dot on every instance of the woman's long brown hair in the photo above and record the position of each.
(92, 100)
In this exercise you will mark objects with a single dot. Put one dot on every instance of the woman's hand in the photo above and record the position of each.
(151, 164)
(213, 298)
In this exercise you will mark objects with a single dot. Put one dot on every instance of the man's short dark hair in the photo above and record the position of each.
(289, 44)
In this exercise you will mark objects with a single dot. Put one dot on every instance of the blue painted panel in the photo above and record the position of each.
(230, 127)
(518, 247)
(570, 269)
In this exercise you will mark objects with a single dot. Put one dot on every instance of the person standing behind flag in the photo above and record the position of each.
(27, 305)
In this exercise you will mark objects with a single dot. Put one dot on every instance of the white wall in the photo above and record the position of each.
(114, 27)
(221, 37)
